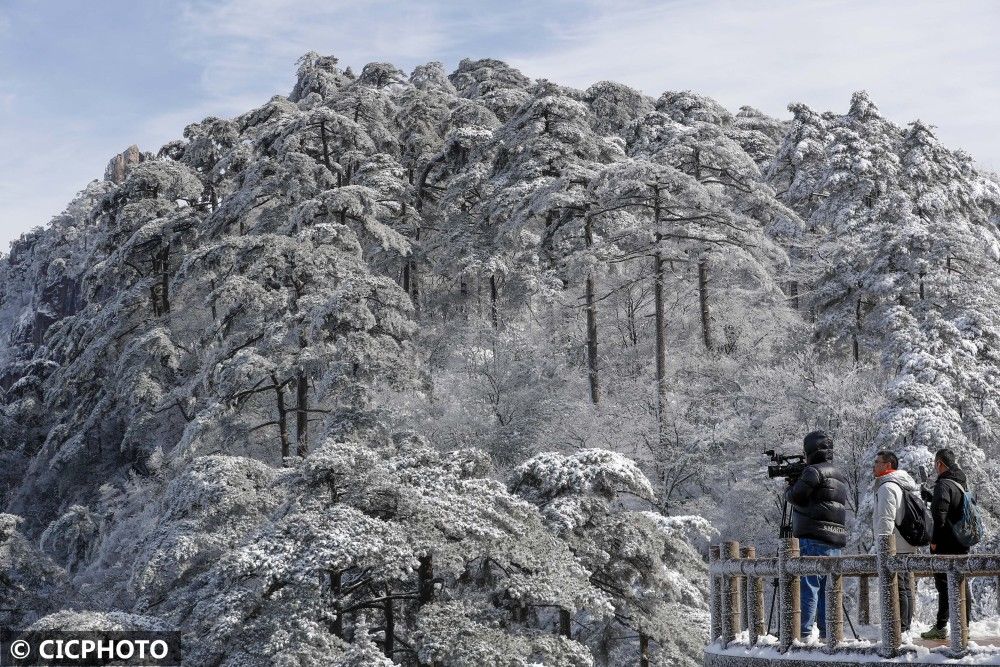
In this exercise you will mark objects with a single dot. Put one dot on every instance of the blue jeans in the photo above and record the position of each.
(814, 588)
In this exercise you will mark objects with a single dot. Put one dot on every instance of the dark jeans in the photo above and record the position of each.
(905, 602)
(941, 584)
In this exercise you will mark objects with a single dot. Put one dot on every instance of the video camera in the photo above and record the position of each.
(789, 466)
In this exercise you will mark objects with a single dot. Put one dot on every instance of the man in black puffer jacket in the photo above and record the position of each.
(946, 502)
(819, 516)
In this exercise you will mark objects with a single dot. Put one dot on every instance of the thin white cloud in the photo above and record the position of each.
(252, 45)
(937, 61)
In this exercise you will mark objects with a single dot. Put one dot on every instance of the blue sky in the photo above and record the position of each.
(80, 81)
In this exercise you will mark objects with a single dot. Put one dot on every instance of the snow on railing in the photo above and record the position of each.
(736, 590)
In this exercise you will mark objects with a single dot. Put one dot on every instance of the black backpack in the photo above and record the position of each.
(969, 527)
(917, 525)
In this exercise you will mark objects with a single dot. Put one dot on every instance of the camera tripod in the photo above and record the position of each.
(785, 531)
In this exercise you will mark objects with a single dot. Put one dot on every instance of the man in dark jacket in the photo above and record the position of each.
(946, 508)
(819, 514)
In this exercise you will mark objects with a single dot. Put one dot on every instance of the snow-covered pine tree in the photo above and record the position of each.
(634, 557)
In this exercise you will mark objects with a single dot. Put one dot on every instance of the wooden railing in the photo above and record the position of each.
(736, 584)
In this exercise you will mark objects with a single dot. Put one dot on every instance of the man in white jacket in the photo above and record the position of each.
(888, 515)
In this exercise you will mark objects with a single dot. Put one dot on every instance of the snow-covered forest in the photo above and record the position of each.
(466, 369)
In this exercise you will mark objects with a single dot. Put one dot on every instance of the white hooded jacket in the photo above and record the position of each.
(889, 507)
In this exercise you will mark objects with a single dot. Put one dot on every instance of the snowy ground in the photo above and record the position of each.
(986, 651)
(919, 655)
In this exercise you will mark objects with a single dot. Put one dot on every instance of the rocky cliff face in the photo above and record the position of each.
(120, 165)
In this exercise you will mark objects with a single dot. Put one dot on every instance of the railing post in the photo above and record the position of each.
(789, 600)
(888, 595)
(730, 595)
(753, 594)
(714, 595)
(957, 617)
(758, 592)
(864, 601)
(834, 611)
(744, 603)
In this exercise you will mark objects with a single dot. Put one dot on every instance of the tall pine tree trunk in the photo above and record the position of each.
(643, 650)
(595, 388)
(660, 324)
(661, 345)
(857, 332)
(425, 589)
(301, 401)
(335, 592)
(326, 148)
(215, 314)
(409, 263)
(390, 624)
(706, 319)
(494, 307)
(301, 415)
(425, 579)
(948, 269)
(279, 390)
(165, 278)
(415, 274)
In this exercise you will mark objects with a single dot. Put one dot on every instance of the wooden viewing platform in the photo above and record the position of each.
(736, 593)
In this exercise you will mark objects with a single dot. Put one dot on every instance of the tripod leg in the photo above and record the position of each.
(847, 615)
(770, 614)
(784, 530)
